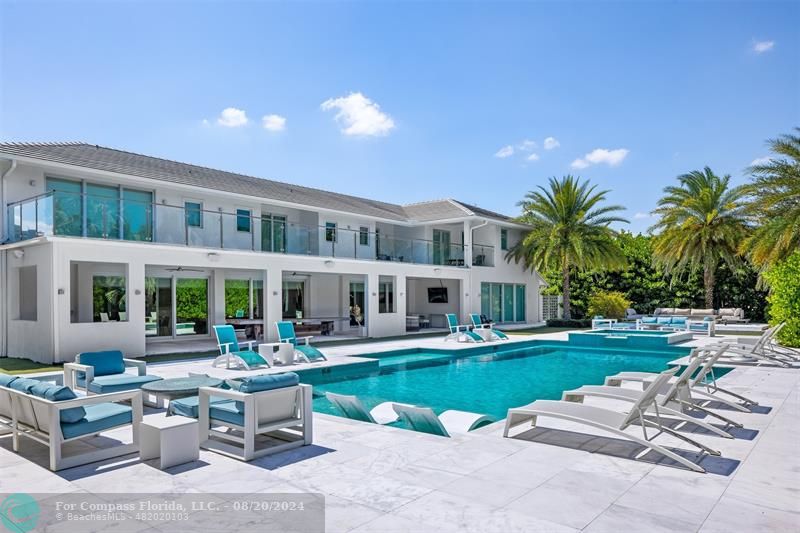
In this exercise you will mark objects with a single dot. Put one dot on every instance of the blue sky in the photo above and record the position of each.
(405, 102)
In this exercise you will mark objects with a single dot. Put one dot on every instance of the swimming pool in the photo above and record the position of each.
(487, 382)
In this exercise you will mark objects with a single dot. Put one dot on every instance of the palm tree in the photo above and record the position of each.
(702, 222)
(569, 229)
(776, 204)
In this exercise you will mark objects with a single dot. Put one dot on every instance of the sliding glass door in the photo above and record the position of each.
(176, 307)
(503, 302)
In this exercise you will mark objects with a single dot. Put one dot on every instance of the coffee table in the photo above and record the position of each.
(173, 388)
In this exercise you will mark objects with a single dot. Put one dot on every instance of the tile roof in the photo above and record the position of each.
(143, 166)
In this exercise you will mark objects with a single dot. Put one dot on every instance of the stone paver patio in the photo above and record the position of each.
(556, 477)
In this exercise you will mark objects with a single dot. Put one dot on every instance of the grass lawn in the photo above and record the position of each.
(12, 365)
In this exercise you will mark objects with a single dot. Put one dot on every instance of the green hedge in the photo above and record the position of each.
(784, 298)
(571, 323)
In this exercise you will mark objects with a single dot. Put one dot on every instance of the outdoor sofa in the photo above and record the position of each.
(53, 415)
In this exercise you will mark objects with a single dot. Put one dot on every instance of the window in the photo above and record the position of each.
(243, 220)
(108, 299)
(137, 215)
(237, 298)
(504, 239)
(273, 233)
(363, 236)
(102, 211)
(194, 214)
(28, 294)
(330, 231)
(67, 206)
(385, 294)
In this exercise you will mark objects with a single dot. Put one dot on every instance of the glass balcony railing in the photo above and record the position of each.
(120, 218)
(482, 255)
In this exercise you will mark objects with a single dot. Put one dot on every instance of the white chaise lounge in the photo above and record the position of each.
(703, 384)
(606, 419)
(674, 402)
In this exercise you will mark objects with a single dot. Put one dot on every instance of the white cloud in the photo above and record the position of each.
(760, 47)
(551, 143)
(533, 157)
(206, 122)
(527, 145)
(601, 155)
(505, 151)
(359, 116)
(640, 215)
(232, 118)
(273, 122)
(760, 161)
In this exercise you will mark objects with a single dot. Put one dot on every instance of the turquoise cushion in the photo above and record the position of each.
(269, 382)
(104, 363)
(649, 320)
(312, 353)
(5, 380)
(266, 382)
(665, 320)
(679, 321)
(250, 357)
(24, 384)
(117, 383)
(59, 393)
(99, 417)
(227, 412)
(190, 407)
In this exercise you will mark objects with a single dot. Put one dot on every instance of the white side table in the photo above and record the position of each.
(174, 439)
(285, 354)
(267, 351)
(484, 333)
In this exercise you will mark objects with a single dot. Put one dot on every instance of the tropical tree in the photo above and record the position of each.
(569, 230)
(702, 222)
(776, 204)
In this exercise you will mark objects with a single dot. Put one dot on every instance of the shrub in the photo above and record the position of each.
(571, 323)
(784, 298)
(608, 304)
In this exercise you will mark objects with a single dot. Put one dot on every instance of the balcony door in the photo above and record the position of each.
(441, 247)
(273, 233)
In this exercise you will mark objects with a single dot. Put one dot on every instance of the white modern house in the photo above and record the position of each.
(103, 248)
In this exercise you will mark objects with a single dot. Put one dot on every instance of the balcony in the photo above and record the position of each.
(482, 255)
(111, 218)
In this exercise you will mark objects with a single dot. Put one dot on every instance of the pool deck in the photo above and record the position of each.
(556, 477)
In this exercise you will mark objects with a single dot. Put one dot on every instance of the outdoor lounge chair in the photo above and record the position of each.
(424, 420)
(758, 351)
(231, 353)
(608, 420)
(478, 323)
(302, 349)
(277, 406)
(460, 331)
(354, 409)
(768, 343)
(53, 415)
(673, 402)
(104, 372)
(702, 384)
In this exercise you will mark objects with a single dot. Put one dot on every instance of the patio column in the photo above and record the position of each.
(218, 297)
(371, 302)
(467, 244)
(273, 302)
(135, 301)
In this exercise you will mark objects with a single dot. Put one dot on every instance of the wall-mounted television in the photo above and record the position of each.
(437, 295)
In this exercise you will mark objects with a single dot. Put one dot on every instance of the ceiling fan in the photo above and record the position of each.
(182, 269)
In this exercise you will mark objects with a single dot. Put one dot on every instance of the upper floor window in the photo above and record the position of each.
(363, 236)
(330, 231)
(243, 220)
(504, 239)
(194, 214)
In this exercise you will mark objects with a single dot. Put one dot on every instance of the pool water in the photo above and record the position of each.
(488, 383)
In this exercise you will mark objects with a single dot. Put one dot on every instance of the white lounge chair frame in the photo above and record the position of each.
(40, 420)
(608, 420)
(273, 411)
